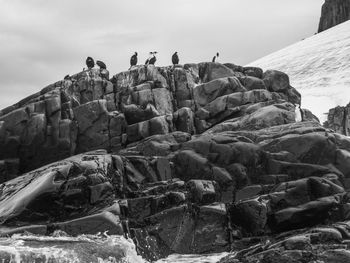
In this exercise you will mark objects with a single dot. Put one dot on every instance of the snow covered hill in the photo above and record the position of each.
(318, 67)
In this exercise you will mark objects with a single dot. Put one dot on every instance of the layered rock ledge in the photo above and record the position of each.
(196, 158)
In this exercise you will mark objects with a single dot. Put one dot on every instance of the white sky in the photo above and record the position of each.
(43, 40)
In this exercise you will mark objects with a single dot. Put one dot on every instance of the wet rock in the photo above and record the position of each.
(203, 191)
(211, 232)
(98, 223)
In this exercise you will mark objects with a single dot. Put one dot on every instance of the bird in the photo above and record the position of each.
(67, 77)
(152, 59)
(133, 60)
(101, 64)
(90, 63)
(215, 57)
(175, 58)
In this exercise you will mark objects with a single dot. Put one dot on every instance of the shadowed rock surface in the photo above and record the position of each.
(197, 158)
(333, 13)
(338, 119)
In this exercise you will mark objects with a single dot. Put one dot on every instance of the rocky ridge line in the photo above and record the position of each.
(197, 158)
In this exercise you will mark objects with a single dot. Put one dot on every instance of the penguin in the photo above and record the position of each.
(175, 59)
(298, 113)
(101, 64)
(90, 63)
(215, 57)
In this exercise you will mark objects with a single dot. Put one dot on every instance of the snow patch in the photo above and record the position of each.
(318, 67)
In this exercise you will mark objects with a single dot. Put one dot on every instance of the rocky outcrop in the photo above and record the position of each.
(88, 112)
(333, 13)
(338, 119)
(317, 244)
(188, 159)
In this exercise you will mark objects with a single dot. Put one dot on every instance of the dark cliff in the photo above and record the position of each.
(339, 119)
(333, 13)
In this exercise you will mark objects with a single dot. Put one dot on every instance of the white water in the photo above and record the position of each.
(65, 249)
(60, 248)
(318, 67)
(176, 258)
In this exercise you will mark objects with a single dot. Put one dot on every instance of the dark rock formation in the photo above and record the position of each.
(333, 13)
(317, 244)
(338, 119)
(187, 159)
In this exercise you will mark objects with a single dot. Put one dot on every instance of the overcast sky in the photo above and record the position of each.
(43, 40)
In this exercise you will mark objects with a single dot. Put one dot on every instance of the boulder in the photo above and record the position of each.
(276, 80)
(98, 223)
(207, 92)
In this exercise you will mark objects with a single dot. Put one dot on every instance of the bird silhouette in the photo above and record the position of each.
(215, 57)
(101, 64)
(90, 63)
(175, 59)
(152, 59)
(133, 60)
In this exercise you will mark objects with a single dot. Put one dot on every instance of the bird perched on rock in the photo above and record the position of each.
(104, 73)
(133, 60)
(215, 57)
(175, 59)
(90, 63)
(152, 59)
(67, 77)
(101, 64)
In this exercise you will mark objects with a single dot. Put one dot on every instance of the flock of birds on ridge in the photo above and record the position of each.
(90, 63)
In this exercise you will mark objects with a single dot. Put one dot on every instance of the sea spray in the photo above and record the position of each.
(193, 258)
(67, 249)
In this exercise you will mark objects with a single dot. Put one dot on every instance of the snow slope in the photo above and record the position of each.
(318, 67)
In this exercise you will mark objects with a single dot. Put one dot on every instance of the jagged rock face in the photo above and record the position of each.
(193, 159)
(338, 119)
(318, 244)
(88, 112)
(333, 13)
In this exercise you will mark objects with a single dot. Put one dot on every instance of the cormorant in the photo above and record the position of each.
(152, 59)
(216, 56)
(175, 58)
(90, 63)
(133, 60)
(101, 64)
